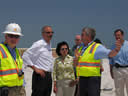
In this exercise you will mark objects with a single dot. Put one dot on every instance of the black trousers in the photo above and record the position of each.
(41, 86)
(89, 86)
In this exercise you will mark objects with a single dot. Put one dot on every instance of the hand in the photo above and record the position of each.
(39, 71)
(118, 45)
(55, 89)
(101, 68)
(73, 82)
(77, 53)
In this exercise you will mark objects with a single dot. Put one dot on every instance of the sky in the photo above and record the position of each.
(67, 18)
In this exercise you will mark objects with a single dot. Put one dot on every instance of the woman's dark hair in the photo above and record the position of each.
(59, 45)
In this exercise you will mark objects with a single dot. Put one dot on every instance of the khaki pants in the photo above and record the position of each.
(120, 80)
(64, 89)
(17, 91)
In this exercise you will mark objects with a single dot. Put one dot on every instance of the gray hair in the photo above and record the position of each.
(43, 28)
(89, 32)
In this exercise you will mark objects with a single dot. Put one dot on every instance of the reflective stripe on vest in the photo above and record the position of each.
(3, 53)
(8, 72)
(92, 48)
(89, 64)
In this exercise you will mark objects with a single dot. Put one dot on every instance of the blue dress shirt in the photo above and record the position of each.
(12, 51)
(122, 57)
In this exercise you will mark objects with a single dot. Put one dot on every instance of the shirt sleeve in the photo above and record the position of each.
(101, 52)
(30, 55)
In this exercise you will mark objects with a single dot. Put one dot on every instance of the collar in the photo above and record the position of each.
(8, 46)
(90, 43)
(45, 43)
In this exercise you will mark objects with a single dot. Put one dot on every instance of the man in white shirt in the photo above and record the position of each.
(39, 58)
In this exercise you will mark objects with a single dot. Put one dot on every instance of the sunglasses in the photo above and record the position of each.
(77, 39)
(48, 32)
(64, 49)
(13, 36)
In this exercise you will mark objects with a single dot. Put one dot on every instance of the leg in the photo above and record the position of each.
(59, 88)
(126, 80)
(17, 91)
(67, 90)
(48, 84)
(94, 86)
(119, 81)
(41, 86)
(83, 86)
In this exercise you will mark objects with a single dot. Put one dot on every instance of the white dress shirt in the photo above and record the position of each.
(39, 55)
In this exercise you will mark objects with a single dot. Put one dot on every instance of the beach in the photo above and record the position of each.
(107, 83)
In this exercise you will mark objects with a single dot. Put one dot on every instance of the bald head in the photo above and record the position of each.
(78, 39)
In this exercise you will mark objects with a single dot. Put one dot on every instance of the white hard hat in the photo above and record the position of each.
(13, 28)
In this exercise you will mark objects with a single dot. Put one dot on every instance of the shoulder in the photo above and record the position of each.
(126, 42)
(57, 59)
(125, 45)
(69, 58)
(39, 43)
(101, 49)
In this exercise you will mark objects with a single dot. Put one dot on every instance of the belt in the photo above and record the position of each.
(47, 72)
(119, 66)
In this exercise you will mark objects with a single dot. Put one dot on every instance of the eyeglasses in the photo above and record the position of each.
(64, 49)
(13, 36)
(77, 39)
(48, 32)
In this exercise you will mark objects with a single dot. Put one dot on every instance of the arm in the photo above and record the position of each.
(30, 56)
(101, 66)
(115, 51)
(38, 71)
(102, 52)
(111, 71)
(54, 77)
(54, 87)
(77, 56)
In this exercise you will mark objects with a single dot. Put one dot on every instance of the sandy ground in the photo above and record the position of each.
(107, 83)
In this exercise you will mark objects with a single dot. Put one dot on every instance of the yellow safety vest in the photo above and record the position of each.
(87, 65)
(9, 68)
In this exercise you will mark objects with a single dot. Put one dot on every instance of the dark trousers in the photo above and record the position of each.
(41, 86)
(89, 86)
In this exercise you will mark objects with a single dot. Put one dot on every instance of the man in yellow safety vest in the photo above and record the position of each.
(11, 74)
(87, 61)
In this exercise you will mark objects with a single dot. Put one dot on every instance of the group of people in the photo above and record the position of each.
(73, 73)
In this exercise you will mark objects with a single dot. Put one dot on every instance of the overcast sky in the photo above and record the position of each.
(67, 18)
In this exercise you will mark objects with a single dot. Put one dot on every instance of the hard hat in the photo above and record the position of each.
(13, 28)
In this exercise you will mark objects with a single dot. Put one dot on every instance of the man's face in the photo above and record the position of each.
(119, 36)
(84, 38)
(12, 40)
(64, 50)
(78, 40)
(47, 34)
